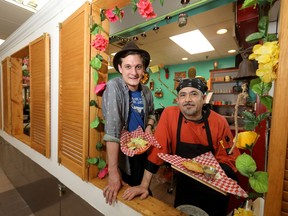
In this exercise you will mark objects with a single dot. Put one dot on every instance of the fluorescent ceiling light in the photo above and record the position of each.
(193, 42)
(184, 59)
(1, 41)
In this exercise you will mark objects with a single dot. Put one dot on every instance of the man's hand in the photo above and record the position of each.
(132, 192)
(148, 130)
(114, 185)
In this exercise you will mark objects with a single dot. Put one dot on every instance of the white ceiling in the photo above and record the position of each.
(11, 18)
(164, 51)
(160, 47)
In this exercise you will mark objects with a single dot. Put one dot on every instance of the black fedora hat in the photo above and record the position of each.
(131, 46)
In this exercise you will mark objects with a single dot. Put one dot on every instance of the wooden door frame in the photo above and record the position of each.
(279, 129)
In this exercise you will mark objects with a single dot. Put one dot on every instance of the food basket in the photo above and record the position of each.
(126, 136)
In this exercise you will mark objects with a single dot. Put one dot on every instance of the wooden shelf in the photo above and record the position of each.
(227, 105)
(224, 93)
(218, 82)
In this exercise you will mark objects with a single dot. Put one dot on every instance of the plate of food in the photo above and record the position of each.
(136, 142)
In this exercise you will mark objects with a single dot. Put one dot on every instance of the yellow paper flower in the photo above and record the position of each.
(242, 212)
(267, 56)
(246, 138)
(266, 72)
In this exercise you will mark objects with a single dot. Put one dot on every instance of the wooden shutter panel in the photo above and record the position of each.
(0, 104)
(16, 96)
(74, 91)
(40, 94)
(6, 95)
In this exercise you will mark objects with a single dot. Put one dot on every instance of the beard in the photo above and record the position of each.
(190, 110)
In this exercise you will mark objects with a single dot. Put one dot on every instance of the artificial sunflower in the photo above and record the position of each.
(246, 139)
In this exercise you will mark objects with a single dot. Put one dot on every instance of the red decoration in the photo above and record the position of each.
(100, 43)
(166, 73)
(145, 9)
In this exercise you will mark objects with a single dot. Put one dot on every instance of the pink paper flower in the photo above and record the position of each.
(100, 88)
(112, 15)
(145, 9)
(26, 61)
(103, 172)
(100, 43)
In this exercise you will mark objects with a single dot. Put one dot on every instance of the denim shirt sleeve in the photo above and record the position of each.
(114, 109)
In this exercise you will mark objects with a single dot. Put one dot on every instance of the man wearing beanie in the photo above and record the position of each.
(126, 104)
(189, 130)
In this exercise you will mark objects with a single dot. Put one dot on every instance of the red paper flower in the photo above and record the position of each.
(113, 16)
(103, 172)
(145, 9)
(100, 43)
(100, 88)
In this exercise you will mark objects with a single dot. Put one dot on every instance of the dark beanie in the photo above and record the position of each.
(195, 83)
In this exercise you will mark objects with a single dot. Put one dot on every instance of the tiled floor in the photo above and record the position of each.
(12, 203)
(26, 189)
(23, 184)
(162, 186)
(10, 198)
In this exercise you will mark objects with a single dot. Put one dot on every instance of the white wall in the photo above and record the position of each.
(47, 20)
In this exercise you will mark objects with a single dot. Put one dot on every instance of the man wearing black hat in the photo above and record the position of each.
(189, 130)
(126, 104)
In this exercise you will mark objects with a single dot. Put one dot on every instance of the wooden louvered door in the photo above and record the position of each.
(0, 104)
(6, 95)
(74, 92)
(40, 94)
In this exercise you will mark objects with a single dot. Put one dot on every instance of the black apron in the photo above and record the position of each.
(190, 191)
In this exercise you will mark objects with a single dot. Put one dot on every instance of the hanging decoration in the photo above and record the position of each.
(166, 72)
(156, 29)
(182, 19)
(171, 90)
(151, 85)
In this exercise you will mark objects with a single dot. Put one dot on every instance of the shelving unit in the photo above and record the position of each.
(225, 92)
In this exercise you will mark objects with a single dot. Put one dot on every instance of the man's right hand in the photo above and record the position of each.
(132, 192)
(114, 185)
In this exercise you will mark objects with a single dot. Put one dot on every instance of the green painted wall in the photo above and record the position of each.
(202, 69)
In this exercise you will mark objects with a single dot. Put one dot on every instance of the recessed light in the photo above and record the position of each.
(184, 59)
(221, 31)
(231, 51)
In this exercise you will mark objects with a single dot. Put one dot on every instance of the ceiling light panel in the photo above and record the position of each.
(193, 42)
